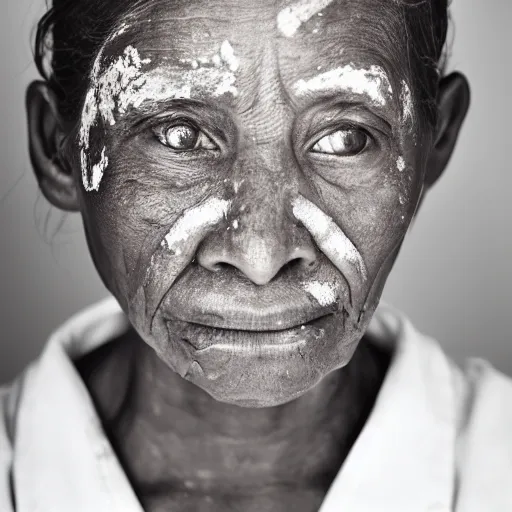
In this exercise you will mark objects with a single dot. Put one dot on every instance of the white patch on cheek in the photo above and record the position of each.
(372, 82)
(291, 18)
(400, 164)
(324, 293)
(205, 215)
(328, 235)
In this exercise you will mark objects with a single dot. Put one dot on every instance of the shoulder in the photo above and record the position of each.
(485, 403)
(9, 399)
(484, 441)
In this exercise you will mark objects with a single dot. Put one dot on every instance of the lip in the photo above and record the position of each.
(236, 305)
(201, 337)
(256, 320)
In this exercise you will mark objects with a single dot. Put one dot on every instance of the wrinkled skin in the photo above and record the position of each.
(198, 306)
(265, 135)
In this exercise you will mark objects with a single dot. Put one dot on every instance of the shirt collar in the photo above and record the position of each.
(403, 459)
(63, 461)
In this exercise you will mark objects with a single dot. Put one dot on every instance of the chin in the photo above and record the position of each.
(255, 385)
(256, 369)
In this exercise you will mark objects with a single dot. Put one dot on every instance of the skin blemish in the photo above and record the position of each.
(372, 82)
(235, 224)
(195, 219)
(291, 18)
(400, 164)
(324, 293)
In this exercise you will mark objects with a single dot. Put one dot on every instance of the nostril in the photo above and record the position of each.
(221, 265)
(297, 264)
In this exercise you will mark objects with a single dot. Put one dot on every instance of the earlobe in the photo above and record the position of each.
(452, 104)
(46, 143)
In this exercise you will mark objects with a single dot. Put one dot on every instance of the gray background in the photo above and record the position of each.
(453, 277)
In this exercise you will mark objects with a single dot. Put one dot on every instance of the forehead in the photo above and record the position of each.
(300, 38)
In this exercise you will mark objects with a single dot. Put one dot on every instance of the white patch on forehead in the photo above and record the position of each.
(328, 235)
(407, 106)
(124, 84)
(207, 214)
(227, 55)
(291, 18)
(324, 293)
(400, 163)
(372, 82)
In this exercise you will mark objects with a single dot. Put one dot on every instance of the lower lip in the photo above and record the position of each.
(201, 337)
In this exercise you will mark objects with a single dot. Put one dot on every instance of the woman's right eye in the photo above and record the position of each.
(184, 137)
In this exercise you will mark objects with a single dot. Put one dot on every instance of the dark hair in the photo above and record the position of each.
(78, 29)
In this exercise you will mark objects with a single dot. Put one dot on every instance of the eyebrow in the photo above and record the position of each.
(162, 84)
(372, 82)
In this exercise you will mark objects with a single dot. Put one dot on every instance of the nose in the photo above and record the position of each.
(259, 258)
(261, 239)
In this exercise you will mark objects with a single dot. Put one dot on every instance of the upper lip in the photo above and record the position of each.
(243, 306)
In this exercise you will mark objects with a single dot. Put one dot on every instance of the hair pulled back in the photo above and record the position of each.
(73, 31)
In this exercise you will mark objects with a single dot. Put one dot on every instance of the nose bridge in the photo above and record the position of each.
(266, 179)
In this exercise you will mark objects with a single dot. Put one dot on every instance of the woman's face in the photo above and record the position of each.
(248, 172)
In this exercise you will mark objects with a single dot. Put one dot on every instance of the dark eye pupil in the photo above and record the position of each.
(181, 137)
(354, 142)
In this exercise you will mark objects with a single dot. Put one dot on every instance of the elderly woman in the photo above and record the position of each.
(246, 173)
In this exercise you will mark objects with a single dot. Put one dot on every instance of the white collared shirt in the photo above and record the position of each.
(437, 439)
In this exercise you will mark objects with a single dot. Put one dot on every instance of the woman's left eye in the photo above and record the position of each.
(343, 142)
(184, 137)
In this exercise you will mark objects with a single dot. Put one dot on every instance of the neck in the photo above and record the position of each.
(171, 435)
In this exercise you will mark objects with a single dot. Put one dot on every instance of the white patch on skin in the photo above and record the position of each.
(372, 82)
(98, 170)
(291, 18)
(124, 84)
(328, 236)
(205, 215)
(108, 91)
(407, 106)
(400, 163)
(227, 54)
(235, 224)
(324, 293)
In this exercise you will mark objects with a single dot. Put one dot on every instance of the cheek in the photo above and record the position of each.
(129, 216)
(376, 215)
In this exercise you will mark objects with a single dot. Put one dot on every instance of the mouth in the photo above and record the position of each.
(245, 338)
(257, 320)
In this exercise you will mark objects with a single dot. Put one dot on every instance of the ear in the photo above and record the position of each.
(452, 104)
(46, 143)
